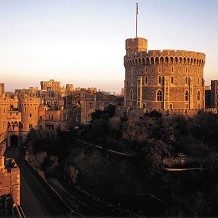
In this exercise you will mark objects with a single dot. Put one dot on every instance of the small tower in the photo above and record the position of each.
(29, 107)
(2, 89)
(136, 45)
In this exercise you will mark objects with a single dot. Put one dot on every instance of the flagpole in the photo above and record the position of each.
(136, 20)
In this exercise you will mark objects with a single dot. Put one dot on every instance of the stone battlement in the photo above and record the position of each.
(30, 101)
(165, 57)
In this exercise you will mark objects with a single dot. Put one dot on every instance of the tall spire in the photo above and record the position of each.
(137, 10)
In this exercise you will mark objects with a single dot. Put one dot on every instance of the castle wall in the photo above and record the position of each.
(9, 176)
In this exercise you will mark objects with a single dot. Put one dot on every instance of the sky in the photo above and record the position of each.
(83, 42)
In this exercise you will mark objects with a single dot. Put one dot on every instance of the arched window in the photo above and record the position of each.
(166, 60)
(143, 61)
(186, 95)
(159, 95)
(171, 80)
(146, 80)
(161, 60)
(198, 95)
(159, 79)
(172, 69)
(171, 60)
(186, 80)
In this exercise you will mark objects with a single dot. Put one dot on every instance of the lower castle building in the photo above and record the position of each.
(48, 110)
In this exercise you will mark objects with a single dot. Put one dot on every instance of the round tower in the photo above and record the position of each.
(164, 80)
(29, 107)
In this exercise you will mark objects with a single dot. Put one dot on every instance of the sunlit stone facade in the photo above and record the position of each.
(163, 79)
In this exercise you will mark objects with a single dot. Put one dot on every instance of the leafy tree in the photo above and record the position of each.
(32, 136)
(204, 127)
(96, 115)
(110, 110)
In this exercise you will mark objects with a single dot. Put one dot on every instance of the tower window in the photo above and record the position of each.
(198, 95)
(171, 80)
(146, 80)
(186, 95)
(159, 95)
(30, 115)
(159, 79)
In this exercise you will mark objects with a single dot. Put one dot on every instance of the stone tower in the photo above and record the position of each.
(136, 45)
(2, 89)
(29, 107)
(163, 79)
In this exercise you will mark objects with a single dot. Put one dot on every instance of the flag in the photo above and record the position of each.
(137, 10)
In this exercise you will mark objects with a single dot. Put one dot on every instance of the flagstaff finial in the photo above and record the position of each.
(137, 20)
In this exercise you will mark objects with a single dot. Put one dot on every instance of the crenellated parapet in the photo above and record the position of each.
(165, 57)
(29, 101)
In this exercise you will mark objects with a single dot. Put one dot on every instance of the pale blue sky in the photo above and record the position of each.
(83, 42)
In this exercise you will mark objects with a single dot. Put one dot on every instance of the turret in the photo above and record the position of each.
(136, 45)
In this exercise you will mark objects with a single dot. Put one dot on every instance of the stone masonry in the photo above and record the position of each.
(163, 79)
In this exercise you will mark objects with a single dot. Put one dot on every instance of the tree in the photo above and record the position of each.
(32, 136)
(154, 151)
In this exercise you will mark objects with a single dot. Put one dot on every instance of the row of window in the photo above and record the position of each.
(172, 70)
(6, 125)
(32, 105)
(159, 95)
(161, 80)
(163, 60)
